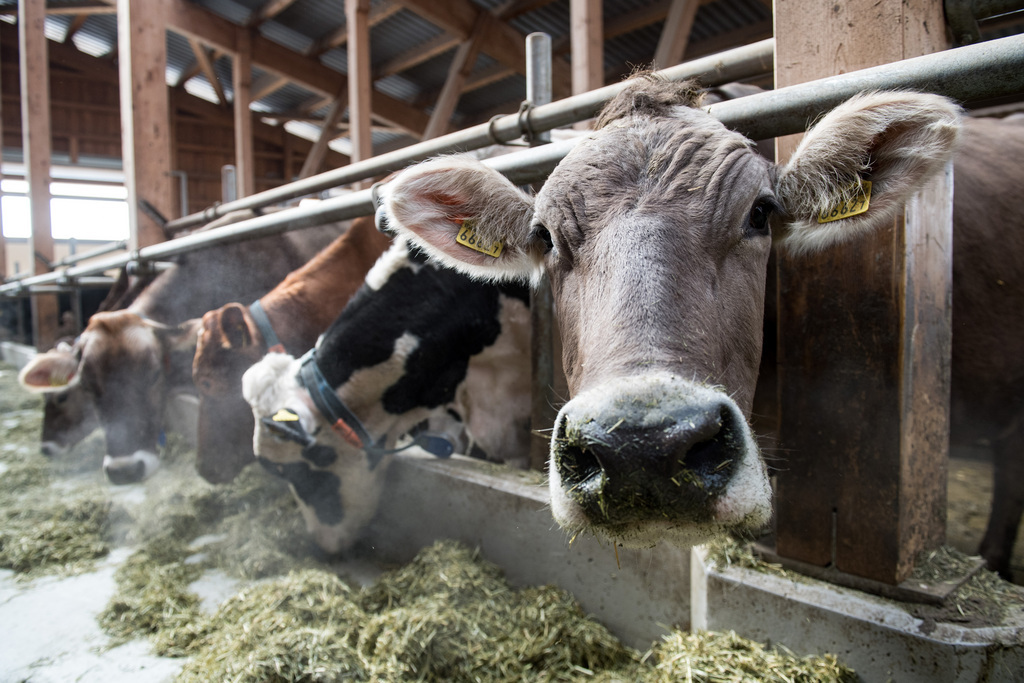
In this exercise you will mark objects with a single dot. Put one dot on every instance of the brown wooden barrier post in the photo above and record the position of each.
(864, 335)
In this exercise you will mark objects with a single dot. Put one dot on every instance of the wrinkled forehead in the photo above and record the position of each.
(688, 147)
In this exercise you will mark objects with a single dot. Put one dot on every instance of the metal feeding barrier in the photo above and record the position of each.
(983, 70)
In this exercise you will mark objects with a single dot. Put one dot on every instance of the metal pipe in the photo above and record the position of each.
(972, 72)
(92, 253)
(542, 399)
(731, 65)
(987, 69)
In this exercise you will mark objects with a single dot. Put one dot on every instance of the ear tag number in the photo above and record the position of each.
(467, 238)
(858, 204)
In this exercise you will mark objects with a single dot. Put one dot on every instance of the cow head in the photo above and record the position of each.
(335, 488)
(655, 233)
(119, 362)
(399, 353)
(68, 416)
(228, 344)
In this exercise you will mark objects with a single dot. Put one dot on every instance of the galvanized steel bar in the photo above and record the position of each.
(972, 72)
(92, 253)
(727, 66)
(967, 73)
(542, 394)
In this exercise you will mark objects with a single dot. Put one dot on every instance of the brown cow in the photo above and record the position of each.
(128, 363)
(69, 416)
(230, 341)
(655, 232)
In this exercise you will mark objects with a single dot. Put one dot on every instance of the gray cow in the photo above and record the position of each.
(655, 232)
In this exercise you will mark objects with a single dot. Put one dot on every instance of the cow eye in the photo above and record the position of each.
(541, 233)
(760, 216)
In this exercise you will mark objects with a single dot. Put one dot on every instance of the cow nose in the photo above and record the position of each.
(122, 471)
(626, 470)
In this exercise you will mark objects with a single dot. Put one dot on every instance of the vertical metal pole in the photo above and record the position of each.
(228, 186)
(542, 414)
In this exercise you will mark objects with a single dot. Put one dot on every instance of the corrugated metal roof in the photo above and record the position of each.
(404, 33)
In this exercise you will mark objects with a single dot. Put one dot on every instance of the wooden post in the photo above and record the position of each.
(36, 144)
(328, 131)
(458, 71)
(587, 35)
(360, 84)
(864, 335)
(145, 119)
(241, 76)
(676, 33)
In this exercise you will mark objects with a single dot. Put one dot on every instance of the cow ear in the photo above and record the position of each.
(50, 372)
(234, 327)
(895, 140)
(467, 216)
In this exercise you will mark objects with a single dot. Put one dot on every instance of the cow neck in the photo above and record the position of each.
(262, 322)
(345, 423)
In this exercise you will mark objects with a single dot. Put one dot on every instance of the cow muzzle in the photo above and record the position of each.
(130, 469)
(654, 457)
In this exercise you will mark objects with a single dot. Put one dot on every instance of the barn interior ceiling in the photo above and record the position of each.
(300, 60)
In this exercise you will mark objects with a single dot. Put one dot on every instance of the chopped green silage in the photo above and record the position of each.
(447, 616)
(708, 657)
(45, 528)
(299, 627)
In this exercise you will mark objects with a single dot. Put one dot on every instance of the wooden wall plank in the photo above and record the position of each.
(864, 447)
(36, 144)
(145, 117)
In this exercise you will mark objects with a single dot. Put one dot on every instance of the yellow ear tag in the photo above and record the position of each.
(285, 415)
(858, 204)
(467, 238)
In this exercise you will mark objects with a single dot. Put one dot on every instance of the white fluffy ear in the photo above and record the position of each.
(895, 140)
(51, 372)
(434, 202)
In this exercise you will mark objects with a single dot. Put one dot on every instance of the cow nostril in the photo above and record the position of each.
(579, 467)
(712, 459)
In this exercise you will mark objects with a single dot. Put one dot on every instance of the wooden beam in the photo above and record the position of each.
(206, 67)
(145, 119)
(76, 25)
(863, 335)
(194, 70)
(587, 31)
(336, 38)
(416, 55)
(74, 8)
(502, 42)
(268, 11)
(190, 20)
(462, 63)
(360, 83)
(267, 84)
(241, 76)
(676, 33)
(36, 146)
(328, 131)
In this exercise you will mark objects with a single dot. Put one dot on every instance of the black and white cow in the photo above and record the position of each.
(415, 341)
